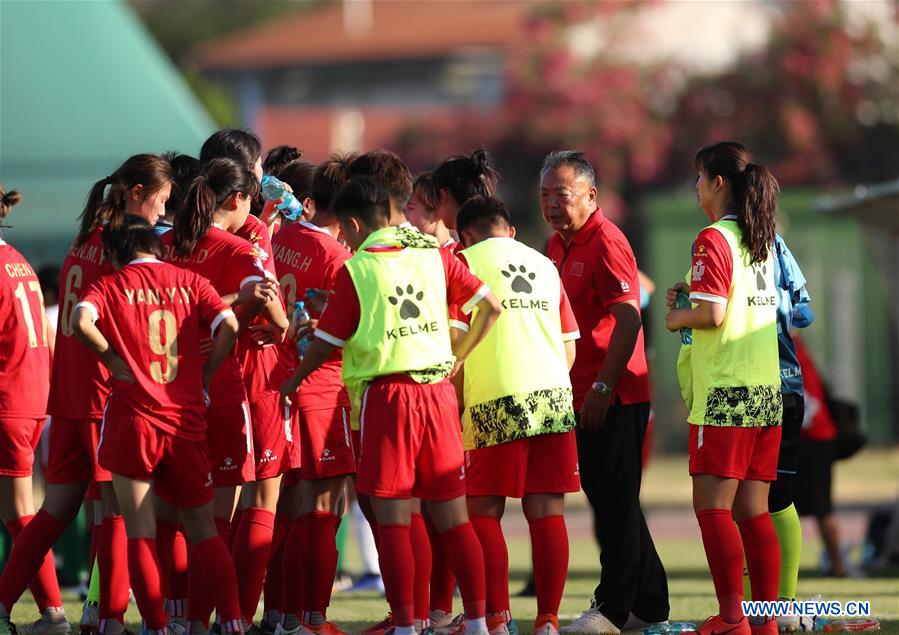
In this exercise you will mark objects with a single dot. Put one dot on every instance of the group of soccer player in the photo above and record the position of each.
(218, 437)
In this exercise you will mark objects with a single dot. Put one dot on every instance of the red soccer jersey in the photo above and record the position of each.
(154, 315)
(25, 369)
(598, 270)
(260, 365)
(229, 263)
(818, 423)
(308, 257)
(712, 267)
(341, 316)
(79, 383)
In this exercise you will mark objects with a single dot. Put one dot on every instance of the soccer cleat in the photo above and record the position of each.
(546, 624)
(328, 628)
(440, 620)
(513, 627)
(716, 625)
(90, 618)
(591, 622)
(496, 625)
(367, 583)
(280, 630)
(381, 628)
(52, 622)
(769, 627)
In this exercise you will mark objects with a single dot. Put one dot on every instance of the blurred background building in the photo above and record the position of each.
(811, 86)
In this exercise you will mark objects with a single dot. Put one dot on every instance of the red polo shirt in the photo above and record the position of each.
(598, 269)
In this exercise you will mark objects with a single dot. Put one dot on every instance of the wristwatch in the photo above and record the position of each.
(602, 388)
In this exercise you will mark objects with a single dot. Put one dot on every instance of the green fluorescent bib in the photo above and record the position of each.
(516, 379)
(735, 368)
(403, 325)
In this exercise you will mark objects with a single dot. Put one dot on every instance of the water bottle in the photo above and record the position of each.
(671, 627)
(273, 189)
(301, 315)
(682, 301)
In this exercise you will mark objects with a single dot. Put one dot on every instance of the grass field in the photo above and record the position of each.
(868, 479)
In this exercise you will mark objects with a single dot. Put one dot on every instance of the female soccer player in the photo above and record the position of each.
(218, 203)
(736, 400)
(459, 178)
(254, 524)
(144, 322)
(24, 385)
(78, 391)
(422, 211)
(308, 255)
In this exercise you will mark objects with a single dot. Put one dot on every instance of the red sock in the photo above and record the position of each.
(234, 528)
(27, 555)
(443, 582)
(293, 599)
(724, 553)
(273, 589)
(95, 544)
(397, 562)
(319, 558)
(112, 557)
(549, 553)
(219, 575)
(145, 582)
(178, 578)
(251, 550)
(421, 552)
(200, 600)
(44, 585)
(468, 565)
(165, 552)
(762, 555)
(496, 562)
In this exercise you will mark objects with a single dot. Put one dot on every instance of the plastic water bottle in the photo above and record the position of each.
(671, 627)
(682, 301)
(301, 315)
(273, 189)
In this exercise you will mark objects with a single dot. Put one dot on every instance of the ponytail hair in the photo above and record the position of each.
(466, 176)
(104, 205)
(218, 179)
(753, 190)
(7, 200)
(278, 158)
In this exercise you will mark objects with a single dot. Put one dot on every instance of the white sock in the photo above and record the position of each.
(478, 625)
(404, 630)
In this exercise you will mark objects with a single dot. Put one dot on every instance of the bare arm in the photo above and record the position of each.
(89, 335)
(706, 315)
(570, 352)
(317, 354)
(222, 344)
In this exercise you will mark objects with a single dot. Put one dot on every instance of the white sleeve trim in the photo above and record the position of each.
(221, 317)
(330, 339)
(568, 337)
(90, 307)
(469, 306)
(250, 280)
(458, 324)
(708, 297)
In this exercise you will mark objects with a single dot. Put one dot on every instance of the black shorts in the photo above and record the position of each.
(812, 492)
(793, 413)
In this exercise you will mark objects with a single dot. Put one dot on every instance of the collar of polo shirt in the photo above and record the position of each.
(594, 222)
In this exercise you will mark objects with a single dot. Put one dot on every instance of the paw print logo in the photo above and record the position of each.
(268, 454)
(520, 278)
(403, 298)
(228, 462)
(761, 271)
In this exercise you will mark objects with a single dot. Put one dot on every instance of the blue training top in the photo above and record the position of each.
(792, 311)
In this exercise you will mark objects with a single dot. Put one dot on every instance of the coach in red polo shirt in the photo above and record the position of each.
(611, 394)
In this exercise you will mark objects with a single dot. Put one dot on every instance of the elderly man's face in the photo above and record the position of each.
(566, 199)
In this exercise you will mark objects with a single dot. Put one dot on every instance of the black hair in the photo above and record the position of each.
(299, 176)
(466, 176)
(278, 158)
(218, 179)
(481, 214)
(364, 198)
(7, 200)
(330, 175)
(571, 158)
(388, 170)
(185, 169)
(753, 190)
(48, 277)
(134, 234)
(241, 145)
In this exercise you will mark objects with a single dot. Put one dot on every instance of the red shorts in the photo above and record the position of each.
(271, 436)
(546, 464)
(292, 459)
(133, 447)
(326, 443)
(411, 441)
(73, 451)
(18, 440)
(746, 454)
(230, 439)
(356, 436)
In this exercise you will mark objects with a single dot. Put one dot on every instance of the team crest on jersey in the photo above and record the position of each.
(577, 269)
(625, 287)
(698, 270)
